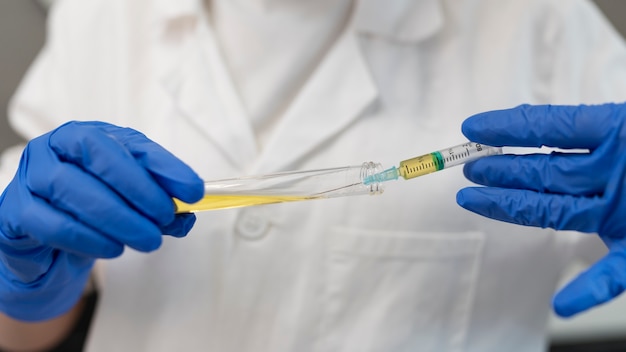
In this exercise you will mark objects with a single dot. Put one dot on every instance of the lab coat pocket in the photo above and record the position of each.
(399, 291)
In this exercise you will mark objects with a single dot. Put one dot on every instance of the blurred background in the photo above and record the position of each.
(22, 33)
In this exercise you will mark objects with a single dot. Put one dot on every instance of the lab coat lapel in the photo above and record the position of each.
(205, 94)
(336, 95)
(338, 92)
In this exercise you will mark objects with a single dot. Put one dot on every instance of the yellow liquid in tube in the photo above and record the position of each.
(214, 202)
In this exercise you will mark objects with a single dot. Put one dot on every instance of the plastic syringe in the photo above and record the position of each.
(366, 178)
(435, 161)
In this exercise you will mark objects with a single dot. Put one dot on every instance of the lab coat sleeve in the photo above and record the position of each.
(41, 102)
(589, 67)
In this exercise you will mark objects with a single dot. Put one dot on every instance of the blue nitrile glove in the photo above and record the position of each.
(563, 191)
(84, 191)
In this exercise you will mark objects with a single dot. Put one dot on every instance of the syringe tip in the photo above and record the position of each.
(389, 174)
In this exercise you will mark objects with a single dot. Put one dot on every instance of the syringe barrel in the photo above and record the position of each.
(466, 152)
(445, 158)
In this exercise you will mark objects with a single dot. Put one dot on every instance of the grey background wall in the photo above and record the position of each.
(615, 10)
(22, 33)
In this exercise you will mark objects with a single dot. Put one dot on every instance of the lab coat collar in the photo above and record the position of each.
(400, 20)
(197, 79)
(195, 76)
(338, 92)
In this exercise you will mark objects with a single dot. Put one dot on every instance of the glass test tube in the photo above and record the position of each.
(285, 187)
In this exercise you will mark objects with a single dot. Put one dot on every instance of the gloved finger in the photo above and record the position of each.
(180, 227)
(564, 173)
(70, 189)
(560, 212)
(613, 224)
(605, 280)
(176, 177)
(581, 126)
(95, 150)
(61, 231)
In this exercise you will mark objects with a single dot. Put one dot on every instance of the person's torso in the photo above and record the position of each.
(404, 271)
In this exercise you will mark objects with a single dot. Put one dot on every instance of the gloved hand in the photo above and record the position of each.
(564, 191)
(84, 191)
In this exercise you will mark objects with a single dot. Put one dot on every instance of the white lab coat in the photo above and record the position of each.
(405, 271)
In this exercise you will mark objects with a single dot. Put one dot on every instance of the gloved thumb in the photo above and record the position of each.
(181, 225)
(605, 280)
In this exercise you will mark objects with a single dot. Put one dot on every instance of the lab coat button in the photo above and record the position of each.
(251, 225)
